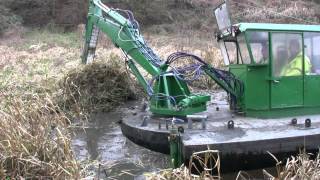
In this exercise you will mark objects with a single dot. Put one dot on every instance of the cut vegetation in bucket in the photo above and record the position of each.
(99, 87)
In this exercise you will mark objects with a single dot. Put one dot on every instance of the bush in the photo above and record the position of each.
(43, 12)
(33, 12)
(7, 19)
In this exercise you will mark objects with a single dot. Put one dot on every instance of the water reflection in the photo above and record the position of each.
(103, 141)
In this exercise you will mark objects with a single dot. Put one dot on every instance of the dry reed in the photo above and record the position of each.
(202, 165)
(297, 167)
(99, 87)
(35, 141)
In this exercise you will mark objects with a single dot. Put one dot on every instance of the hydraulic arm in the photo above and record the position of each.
(168, 90)
(123, 32)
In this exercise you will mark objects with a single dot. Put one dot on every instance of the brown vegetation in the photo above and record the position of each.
(34, 135)
(208, 167)
(160, 17)
(299, 12)
(42, 12)
(99, 87)
(35, 141)
(32, 102)
(297, 167)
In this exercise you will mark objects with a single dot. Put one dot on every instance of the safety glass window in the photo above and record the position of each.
(259, 44)
(224, 53)
(232, 52)
(312, 52)
(287, 55)
(244, 50)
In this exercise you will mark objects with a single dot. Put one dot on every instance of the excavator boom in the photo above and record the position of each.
(123, 32)
(168, 90)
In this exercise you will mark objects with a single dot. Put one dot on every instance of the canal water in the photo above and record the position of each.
(116, 157)
(119, 158)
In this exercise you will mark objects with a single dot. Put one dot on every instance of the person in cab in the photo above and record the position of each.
(294, 66)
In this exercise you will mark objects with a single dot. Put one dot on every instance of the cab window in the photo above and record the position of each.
(235, 50)
(243, 49)
(287, 54)
(312, 51)
(232, 52)
(259, 44)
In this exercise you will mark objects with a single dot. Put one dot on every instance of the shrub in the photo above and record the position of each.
(7, 19)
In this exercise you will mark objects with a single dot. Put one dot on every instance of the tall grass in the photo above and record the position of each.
(35, 140)
(34, 131)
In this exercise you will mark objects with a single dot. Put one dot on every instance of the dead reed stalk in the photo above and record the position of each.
(297, 167)
(202, 165)
(35, 141)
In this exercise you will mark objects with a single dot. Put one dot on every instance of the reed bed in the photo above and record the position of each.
(35, 141)
(204, 165)
(297, 167)
(301, 166)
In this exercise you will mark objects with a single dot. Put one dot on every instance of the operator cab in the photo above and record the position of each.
(279, 65)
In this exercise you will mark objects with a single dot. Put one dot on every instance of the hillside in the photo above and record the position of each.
(160, 16)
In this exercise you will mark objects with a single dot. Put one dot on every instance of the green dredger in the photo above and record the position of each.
(254, 53)
(273, 75)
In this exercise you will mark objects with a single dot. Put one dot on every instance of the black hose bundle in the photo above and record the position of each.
(226, 76)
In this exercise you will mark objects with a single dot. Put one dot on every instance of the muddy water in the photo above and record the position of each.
(103, 141)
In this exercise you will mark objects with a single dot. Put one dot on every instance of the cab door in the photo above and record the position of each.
(287, 70)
